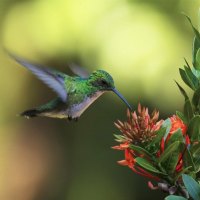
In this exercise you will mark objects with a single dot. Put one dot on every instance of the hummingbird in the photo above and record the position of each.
(74, 93)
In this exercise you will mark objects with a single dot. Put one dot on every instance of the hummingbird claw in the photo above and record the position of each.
(70, 118)
(74, 119)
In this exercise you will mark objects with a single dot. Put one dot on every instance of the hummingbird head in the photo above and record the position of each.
(103, 81)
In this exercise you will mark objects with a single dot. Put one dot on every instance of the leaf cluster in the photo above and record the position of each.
(191, 77)
(191, 186)
(176, 150)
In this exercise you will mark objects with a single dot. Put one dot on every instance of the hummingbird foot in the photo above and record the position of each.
(74, 119)
(70, 118)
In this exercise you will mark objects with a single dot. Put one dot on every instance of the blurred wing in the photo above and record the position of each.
(52, 78)
(80, 71)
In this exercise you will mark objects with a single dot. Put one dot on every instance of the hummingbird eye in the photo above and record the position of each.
(104, 83)
(100, 83)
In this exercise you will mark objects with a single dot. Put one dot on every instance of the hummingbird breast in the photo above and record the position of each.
(76, 110)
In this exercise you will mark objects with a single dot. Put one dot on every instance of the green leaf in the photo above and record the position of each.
(196, 32)
(140, 150)
(147, 165)
(159, 135)
(168, 160)
(192, 187)
(196, 97)
(196, 72)
(183, 92)
(183, 171)
(193, 79)
(120, 138)
(188, 110)
(195, 55)
(187, 63)
(197, 60)
(173, 197)
(196, 46)
(171, 163)
(181, 116)
(167, 124)
(194, 128)
(186, 79)
(188, 160)
(197, 164)
(195, 150)
(176, 136)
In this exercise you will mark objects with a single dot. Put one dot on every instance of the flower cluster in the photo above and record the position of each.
(140, 127)
(154, 148)
(139, 134)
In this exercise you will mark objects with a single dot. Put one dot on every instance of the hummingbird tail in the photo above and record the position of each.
(30, 113)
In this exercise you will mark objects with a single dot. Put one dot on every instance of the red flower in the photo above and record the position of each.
(121, 146)
(176, 123)
(129, 161)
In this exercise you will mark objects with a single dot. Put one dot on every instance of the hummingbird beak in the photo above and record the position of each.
(121, 97)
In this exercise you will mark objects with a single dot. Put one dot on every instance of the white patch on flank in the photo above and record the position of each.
(78, 109)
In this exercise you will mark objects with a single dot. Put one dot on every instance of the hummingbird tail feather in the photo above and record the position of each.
(30, 113)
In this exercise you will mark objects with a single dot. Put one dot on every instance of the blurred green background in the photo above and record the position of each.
(140, 42)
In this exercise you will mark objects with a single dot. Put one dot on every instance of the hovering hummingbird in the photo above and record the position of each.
(75, 93)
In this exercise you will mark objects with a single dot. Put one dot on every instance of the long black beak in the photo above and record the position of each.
(121, 97)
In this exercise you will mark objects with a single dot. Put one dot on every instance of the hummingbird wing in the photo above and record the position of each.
(52, 78)
(80, 71)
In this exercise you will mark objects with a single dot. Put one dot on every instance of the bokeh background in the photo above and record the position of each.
(140, 42)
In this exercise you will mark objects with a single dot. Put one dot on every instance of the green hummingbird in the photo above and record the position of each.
(75, 93)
